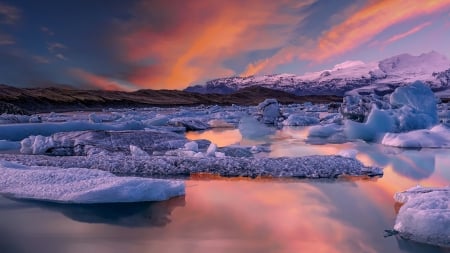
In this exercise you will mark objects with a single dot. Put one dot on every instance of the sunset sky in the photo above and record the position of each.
(170, 44)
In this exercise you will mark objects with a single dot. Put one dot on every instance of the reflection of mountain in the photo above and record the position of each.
(144, 214)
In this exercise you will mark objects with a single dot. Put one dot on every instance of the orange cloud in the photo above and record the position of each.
(407, 33)
(197, 36)
(96, 80)
(359, 28)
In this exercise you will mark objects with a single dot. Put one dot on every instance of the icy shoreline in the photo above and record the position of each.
(164, 166)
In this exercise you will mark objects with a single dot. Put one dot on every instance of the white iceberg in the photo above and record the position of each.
(436, 137)
(80, 185)
(300, 120)
(413, 107)
(425, 215)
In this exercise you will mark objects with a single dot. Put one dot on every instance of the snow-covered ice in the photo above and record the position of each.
(81, 185)
(425, 215)
(175, 166)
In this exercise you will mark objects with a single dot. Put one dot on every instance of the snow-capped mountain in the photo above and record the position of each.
(431, 68)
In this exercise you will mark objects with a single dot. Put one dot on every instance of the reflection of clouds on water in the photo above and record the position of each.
(144, 214)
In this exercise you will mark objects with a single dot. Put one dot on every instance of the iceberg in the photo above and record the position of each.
(300, 120)
(81, 185)
(412, 107)
(269, 110)
(425, 215)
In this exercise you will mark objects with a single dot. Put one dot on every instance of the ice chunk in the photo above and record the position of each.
(270, 111)
(425, 215)
(82, 143)
(80, 185)
(218, 123)
(191, 124)
(405, 112)
(252, 129)
(211, 151)
(324, 131)
(36, 145)
(300, 120)
(378, 122)
(136, 151)
(436, 137)
(351, 153)
(304, 167)
(192, 146)
(419, 97)
(94, 118)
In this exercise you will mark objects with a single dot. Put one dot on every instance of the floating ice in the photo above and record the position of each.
(17, 132)
(136, 151)
(211, 150)
(425, 215)
(191, 124)
(174, 166)
(300, 120)
(350, 153)
(80, 185)
(84, 142)
(407, 114)
(252, 129)
(218, 123)
(270, 111)
(192, 146)
(436, 137)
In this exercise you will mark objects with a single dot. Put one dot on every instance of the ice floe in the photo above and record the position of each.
(81, 185)
(173, 166)
(425, 215)
(88, 142)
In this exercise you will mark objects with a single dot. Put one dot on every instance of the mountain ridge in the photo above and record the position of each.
(344, 77)
(33, 100)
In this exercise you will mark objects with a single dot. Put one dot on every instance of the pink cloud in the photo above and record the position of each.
(406, 34)
(96, 80)
(360, 27)
(198, 36)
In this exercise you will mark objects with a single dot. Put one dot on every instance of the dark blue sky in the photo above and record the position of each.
(171, 44)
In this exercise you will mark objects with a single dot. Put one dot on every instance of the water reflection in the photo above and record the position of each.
(143, 214)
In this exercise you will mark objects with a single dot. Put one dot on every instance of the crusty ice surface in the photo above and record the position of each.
(174, 166)
(425, 215)
(81, 185)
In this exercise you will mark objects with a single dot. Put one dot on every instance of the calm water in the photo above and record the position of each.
(241, 215)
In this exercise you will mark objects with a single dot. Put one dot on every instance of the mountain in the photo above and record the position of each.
(32, 100)
(389, 73)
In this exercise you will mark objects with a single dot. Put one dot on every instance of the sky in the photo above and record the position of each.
(171, 44)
